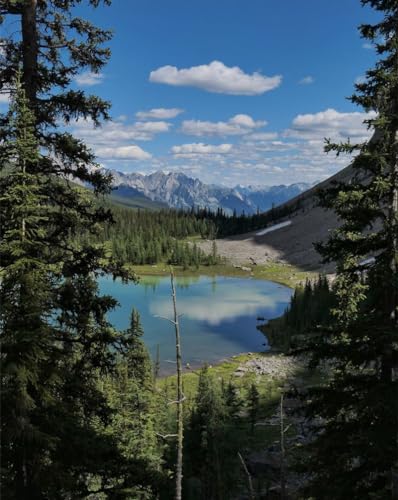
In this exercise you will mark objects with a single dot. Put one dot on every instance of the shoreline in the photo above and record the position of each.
(277, 272)
(230, 362)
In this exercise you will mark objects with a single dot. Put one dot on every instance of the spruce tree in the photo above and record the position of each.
(137, 357)
(56, 341)
(204, 439)
(253, 403)
(129, 392)
(355, 452)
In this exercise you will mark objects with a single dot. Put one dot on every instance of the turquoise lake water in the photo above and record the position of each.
(219, 314)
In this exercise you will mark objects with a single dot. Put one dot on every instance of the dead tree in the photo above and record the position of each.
(249, 477)
(283, 431)
(180, 396)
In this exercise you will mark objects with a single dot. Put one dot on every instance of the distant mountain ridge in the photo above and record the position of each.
(177, 190)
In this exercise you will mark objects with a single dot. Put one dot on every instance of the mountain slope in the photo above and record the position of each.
(180, 191)
(292, 243)
(131, 198)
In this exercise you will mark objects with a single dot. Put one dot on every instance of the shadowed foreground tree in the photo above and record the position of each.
(57, 344)
(355, 454)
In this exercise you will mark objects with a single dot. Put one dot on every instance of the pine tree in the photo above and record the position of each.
(129, 392)
(233, 401)
(253, 404)
(355, 455)
(205, 436)
(137, 357)
(56, 341)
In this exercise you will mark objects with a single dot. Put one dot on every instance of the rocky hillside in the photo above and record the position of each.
(292, 242)
(180, 191)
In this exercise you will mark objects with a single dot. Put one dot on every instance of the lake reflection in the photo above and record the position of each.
(219, 315)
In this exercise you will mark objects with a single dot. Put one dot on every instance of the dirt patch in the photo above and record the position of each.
(292, 244)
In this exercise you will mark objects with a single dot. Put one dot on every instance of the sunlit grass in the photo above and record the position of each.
(284, 274)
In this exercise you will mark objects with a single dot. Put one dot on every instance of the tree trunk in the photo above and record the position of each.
(180, 396)
(249, 478)
(30, 49)
(282, 438)
(393, 309)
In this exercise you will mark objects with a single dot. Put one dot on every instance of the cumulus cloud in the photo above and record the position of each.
(187, 150)
(132, 152)
(261, 136)
(114, 140)
(159, 114)
(119, 131)
(307, 80)
(331, 123)
(88, 78)
(216, 77)
(237, 125)
(292, 155)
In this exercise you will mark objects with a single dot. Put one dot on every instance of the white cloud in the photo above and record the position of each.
(216, 77)
(159, 114)
(292, 155)
(367, 46)
(122, 153)
(187, 150)
(237, 125)
(113, 141)
(89, 78)
(246, 121)
(119, 130)
(307, 80)
(261, 136)
(331, 123)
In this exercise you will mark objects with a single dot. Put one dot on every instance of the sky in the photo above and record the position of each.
(229, 91)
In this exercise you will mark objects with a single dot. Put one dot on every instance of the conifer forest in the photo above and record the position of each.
(91, 406)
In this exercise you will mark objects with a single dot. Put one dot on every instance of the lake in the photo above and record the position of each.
(219, 314)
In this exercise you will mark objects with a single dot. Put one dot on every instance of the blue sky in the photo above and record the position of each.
(242, 92)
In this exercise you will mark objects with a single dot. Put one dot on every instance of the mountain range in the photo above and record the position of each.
(177, 190)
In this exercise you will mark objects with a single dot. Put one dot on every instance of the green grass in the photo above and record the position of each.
(284, 274)
(270, 390)
(224, 370)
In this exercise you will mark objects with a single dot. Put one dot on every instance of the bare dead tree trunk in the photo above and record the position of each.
(282, 439)
(249, 477)
(393, 310)
(180, 396)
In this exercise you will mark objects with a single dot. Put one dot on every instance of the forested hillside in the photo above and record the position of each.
(84, 412)
(151, 237)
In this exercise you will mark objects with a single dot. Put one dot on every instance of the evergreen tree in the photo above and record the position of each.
(137, 357)
(253, 403)
(355, 453)
(130, 395)
(56, 341)
(205, 437)
(233, 401)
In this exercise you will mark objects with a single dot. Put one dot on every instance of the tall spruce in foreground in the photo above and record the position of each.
(355, 455)
(129, 391)
(56, 342)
